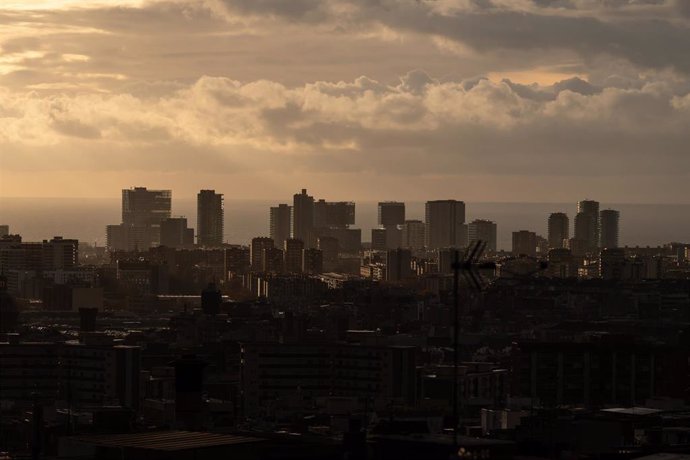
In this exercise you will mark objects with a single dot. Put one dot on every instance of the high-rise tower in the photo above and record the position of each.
(608, 219)
(445, 224)
(591, 208)
(209, 218)
(559, 230)
(280, 223)
(303, 218)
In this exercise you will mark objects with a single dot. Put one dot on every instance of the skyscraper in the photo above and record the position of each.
(586, 231)
(303, 218)
(445, 224)
(209, 218)
(484, 230)
(559, 230)
(175, 234)
(391, 213)
(256, 252)
(608, 219)
(280, 223)
(293, 255)
(143, 211)
(413, 232)
(141, 206)
(525, 243)
(590, 208)
(398, 264)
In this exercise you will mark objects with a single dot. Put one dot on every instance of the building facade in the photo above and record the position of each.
(209, 218)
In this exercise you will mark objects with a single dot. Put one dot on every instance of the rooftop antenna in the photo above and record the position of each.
(469, 266)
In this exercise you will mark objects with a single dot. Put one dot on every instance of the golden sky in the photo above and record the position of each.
(482, 100)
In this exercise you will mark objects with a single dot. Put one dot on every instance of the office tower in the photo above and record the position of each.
(4, 230)
(608, 219)
(312, 261)
(256, 252)
(484, 230)
(525, 243)
(330, 247)
(144, 210)
(61, 253)
(293, 255)
(334, 214)
(272, 260)
(586, 231)
(209, 218)
(378, 239)
(445, 258)
(413, 232)
(391, 213)
(141, 206)
(175, 234)
(559, 230)
(280, 224)
(303, 218)
(398, 264)
(590, 208)
(445, 221)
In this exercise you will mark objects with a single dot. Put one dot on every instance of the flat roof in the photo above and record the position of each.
(632, 410)
(165, 440)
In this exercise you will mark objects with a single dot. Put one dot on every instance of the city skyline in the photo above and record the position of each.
(344, 229)
(483, 98)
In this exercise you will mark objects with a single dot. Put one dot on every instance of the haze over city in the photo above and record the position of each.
(503, 100)
(344, 229)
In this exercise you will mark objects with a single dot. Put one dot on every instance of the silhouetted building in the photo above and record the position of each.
(413, 234)
(4, 230)
(189, 384)
(378, 239)
(338, 214)
(330, 247)
(280, 224)
(525, 243)
(483, 230)
(237, 260)
(590, 208)
(398, 264)
(272, 260)
(209, 218)
(144, 210)
(259, 244)
(391, 213)
(293, 255)
(175, 234)
(559, 230)
(586, 230)
(445, 224)
(303, 218)
(608, 219)
(211, 299)
(9, 313)
(561, 263)
(612, 263)
(312, 261)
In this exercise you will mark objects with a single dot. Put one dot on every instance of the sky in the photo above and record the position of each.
(481, 100)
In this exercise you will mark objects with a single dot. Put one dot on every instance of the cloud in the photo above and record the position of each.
(421, 125)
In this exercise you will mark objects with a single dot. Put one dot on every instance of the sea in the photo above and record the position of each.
(37, 219)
